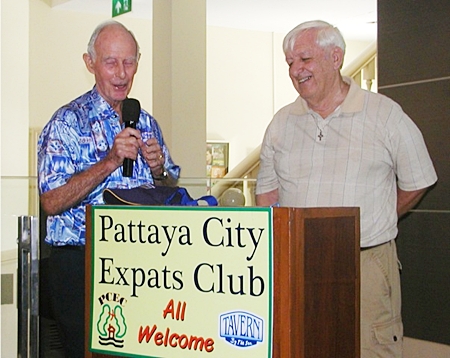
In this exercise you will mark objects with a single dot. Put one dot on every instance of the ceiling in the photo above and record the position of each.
(355, 18)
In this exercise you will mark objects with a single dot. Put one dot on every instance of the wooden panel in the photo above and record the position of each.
(413, 43)
(413, 40)
(87, 284)
(424, 251)
(428, 105)
(287, 311)
(330, 289)
(316, 283)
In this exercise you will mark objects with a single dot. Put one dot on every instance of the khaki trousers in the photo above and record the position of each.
(381, 322)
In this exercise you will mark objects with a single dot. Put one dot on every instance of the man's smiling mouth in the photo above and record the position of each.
(304, 79)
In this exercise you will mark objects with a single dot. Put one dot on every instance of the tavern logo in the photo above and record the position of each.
(111, 324)
(241, 329)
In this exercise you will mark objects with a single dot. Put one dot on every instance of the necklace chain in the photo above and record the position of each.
(321, 129)
(327, 121)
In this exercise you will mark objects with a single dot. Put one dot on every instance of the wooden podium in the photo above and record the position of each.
(316, 301)
(317, 280)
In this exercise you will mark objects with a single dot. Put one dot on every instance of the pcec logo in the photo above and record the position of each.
(241, 329)
(111, 323)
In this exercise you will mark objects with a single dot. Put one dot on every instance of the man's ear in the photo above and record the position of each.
(338, 57)
(89, 62)
(139, 57)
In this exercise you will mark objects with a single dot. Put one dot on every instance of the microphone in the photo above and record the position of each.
(131, 109)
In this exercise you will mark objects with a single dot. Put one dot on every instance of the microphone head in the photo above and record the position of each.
(131, 109)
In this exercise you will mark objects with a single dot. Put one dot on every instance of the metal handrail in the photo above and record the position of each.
(28, 287)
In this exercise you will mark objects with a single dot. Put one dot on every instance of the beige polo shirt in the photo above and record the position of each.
(354, 157)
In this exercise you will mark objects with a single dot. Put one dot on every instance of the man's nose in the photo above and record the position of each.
(120, 70)
(295, 68)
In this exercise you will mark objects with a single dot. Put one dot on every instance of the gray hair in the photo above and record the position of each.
(99, 29)
(327, 35)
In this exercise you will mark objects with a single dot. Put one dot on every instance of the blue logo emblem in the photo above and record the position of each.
(241, 329)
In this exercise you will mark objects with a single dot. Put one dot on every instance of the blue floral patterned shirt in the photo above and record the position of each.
(79, 135)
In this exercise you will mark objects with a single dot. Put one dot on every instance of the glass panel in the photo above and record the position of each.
(20, 197)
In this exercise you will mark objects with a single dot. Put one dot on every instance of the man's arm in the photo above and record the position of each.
(79, 186)
(267, 199)
(66, 196)
(406, 200)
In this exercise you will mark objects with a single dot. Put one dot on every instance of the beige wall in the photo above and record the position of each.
(42, 69)
(14, 117)
(14, 85)
(240, 88)
(179, 55)
(57, 72)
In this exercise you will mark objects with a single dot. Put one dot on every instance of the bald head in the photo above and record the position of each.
(107, 25)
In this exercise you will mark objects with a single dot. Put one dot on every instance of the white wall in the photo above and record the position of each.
(247, 82)
(14, 147)
(14, 116)
(58, 39)
(42, 69)
(14, 52)
(239, 88)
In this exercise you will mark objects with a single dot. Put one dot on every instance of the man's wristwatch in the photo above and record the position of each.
(164, 175)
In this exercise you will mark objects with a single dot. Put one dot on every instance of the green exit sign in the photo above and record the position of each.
(120, 7)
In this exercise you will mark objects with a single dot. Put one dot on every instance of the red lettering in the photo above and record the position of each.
(183, 341)
(166, 337)
(169, 309)
(173, 337)
(159, 338)
(146, 333)
(183, 311)
(175, 340)
(209, 345)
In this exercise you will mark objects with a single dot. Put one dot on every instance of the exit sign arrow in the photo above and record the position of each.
(120, 7)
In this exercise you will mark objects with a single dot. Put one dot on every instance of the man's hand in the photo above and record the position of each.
(126, 145)
(153, 155)
(267, 199)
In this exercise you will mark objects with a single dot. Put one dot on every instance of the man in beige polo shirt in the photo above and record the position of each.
(339, 145)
